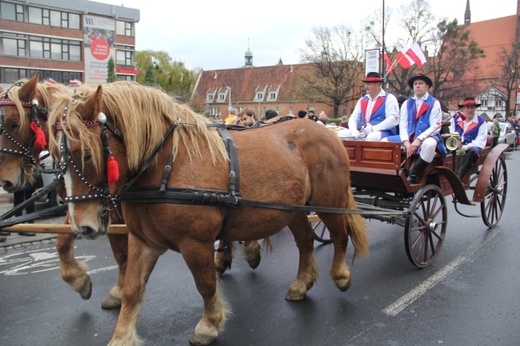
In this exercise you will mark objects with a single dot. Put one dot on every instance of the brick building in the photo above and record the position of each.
(67, 41)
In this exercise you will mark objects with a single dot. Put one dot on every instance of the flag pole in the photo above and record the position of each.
(383, 43)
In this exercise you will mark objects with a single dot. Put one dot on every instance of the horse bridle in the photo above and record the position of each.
(35, 111)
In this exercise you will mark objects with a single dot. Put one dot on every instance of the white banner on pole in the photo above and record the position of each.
(371, 60)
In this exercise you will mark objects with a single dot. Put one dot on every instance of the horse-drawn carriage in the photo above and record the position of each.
(179, 183)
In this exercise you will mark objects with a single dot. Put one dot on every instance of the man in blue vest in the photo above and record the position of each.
(472, 130)
(419, 126)
(376, 114)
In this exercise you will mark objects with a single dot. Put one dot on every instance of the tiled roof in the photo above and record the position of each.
(245, 82)
(491, 36)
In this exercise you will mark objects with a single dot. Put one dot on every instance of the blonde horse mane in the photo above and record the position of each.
(44, 89)
(143, 114)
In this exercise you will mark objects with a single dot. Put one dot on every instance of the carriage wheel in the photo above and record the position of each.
(321, 233)
(492, 206)
(425, 226)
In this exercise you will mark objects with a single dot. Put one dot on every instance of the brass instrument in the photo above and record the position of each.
(453, 141)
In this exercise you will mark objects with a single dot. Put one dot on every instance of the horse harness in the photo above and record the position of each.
(35, 111)
(177, 195)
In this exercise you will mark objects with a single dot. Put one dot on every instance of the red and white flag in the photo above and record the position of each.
(416, 54)
(388, 62)
(50, 80)
(411, 55)
(74, 82)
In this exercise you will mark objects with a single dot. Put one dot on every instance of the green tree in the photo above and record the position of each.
(111, 75)
(171, 76)
(149, 77)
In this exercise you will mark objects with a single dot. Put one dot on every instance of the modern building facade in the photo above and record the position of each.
(69, 42)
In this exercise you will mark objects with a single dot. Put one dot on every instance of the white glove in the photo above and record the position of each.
(367, 129)
(355, 134)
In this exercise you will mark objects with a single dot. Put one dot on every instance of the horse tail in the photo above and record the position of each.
(356, 229)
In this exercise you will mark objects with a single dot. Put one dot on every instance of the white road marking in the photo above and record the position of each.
(412, 295)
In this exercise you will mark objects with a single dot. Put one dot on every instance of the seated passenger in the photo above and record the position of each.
(472, 131)
(376, 114)
(419, 126)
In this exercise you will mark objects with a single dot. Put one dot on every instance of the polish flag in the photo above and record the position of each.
(403, 59)
(388, 62)
(50, 80)
(416, 54)
(74, 82)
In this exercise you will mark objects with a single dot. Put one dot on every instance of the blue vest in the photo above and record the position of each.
(471, 133)
(378, 114)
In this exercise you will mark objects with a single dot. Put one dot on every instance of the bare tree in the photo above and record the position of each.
(508, 62)
(337, 59)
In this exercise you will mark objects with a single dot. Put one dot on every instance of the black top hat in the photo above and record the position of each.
(373, 77)
(422, 77)
(469, 101)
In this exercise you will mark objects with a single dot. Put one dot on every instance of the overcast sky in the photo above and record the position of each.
(216, 34)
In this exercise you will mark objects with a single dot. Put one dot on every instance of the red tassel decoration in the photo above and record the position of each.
(112, 170)
(462, 116)
(39, 136)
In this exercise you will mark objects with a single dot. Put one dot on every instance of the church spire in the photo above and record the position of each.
(467, 15)
(248, 56)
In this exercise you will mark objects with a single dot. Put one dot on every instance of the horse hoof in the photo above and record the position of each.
(200, 340)
(344, 284)
(111, 303)
(255, 263)
(86, 291)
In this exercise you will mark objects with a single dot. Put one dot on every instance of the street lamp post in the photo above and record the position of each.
(230, 105)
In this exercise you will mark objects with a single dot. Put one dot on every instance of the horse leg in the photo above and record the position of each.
(199, 259)
(72, 271)
(252, 253)
(119, 245)
(224, 257)
(141, 261)
(340, 271)
(307, 268)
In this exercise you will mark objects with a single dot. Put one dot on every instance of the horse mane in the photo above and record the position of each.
(143, 114)
(44, 92)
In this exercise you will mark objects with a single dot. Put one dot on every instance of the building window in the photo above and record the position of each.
(124, 57)
(209, 97)
(12, 75)
(222, 97)
(35, 15)
(272, 96)
(259, 96)
(124, 28)
(125, 77)
(12, 44)
(8, 11)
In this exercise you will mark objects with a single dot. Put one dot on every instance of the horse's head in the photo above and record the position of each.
(82, 142)
(23, 132)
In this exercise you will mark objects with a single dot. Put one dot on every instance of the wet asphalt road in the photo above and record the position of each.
(469, 296)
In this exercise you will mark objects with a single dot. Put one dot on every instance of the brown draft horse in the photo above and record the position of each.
(19, 157)
(295, 163)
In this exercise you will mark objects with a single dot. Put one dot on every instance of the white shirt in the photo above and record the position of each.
(435, 119)
(391, 113)
(480, 140)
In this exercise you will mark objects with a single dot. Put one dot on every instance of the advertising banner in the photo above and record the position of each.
(371, 60)
(99, 33)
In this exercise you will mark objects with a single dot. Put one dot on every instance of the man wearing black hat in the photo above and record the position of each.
(376, 115)
(472, 131)
(419, 126)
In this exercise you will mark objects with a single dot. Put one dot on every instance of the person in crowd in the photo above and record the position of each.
(472, 130)
(247, 117)
(344, 122)
(494, 130)
(302, 114)
(271, 116)
(231, 116)
(376, 115)
(420, 122)
(323, 118)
